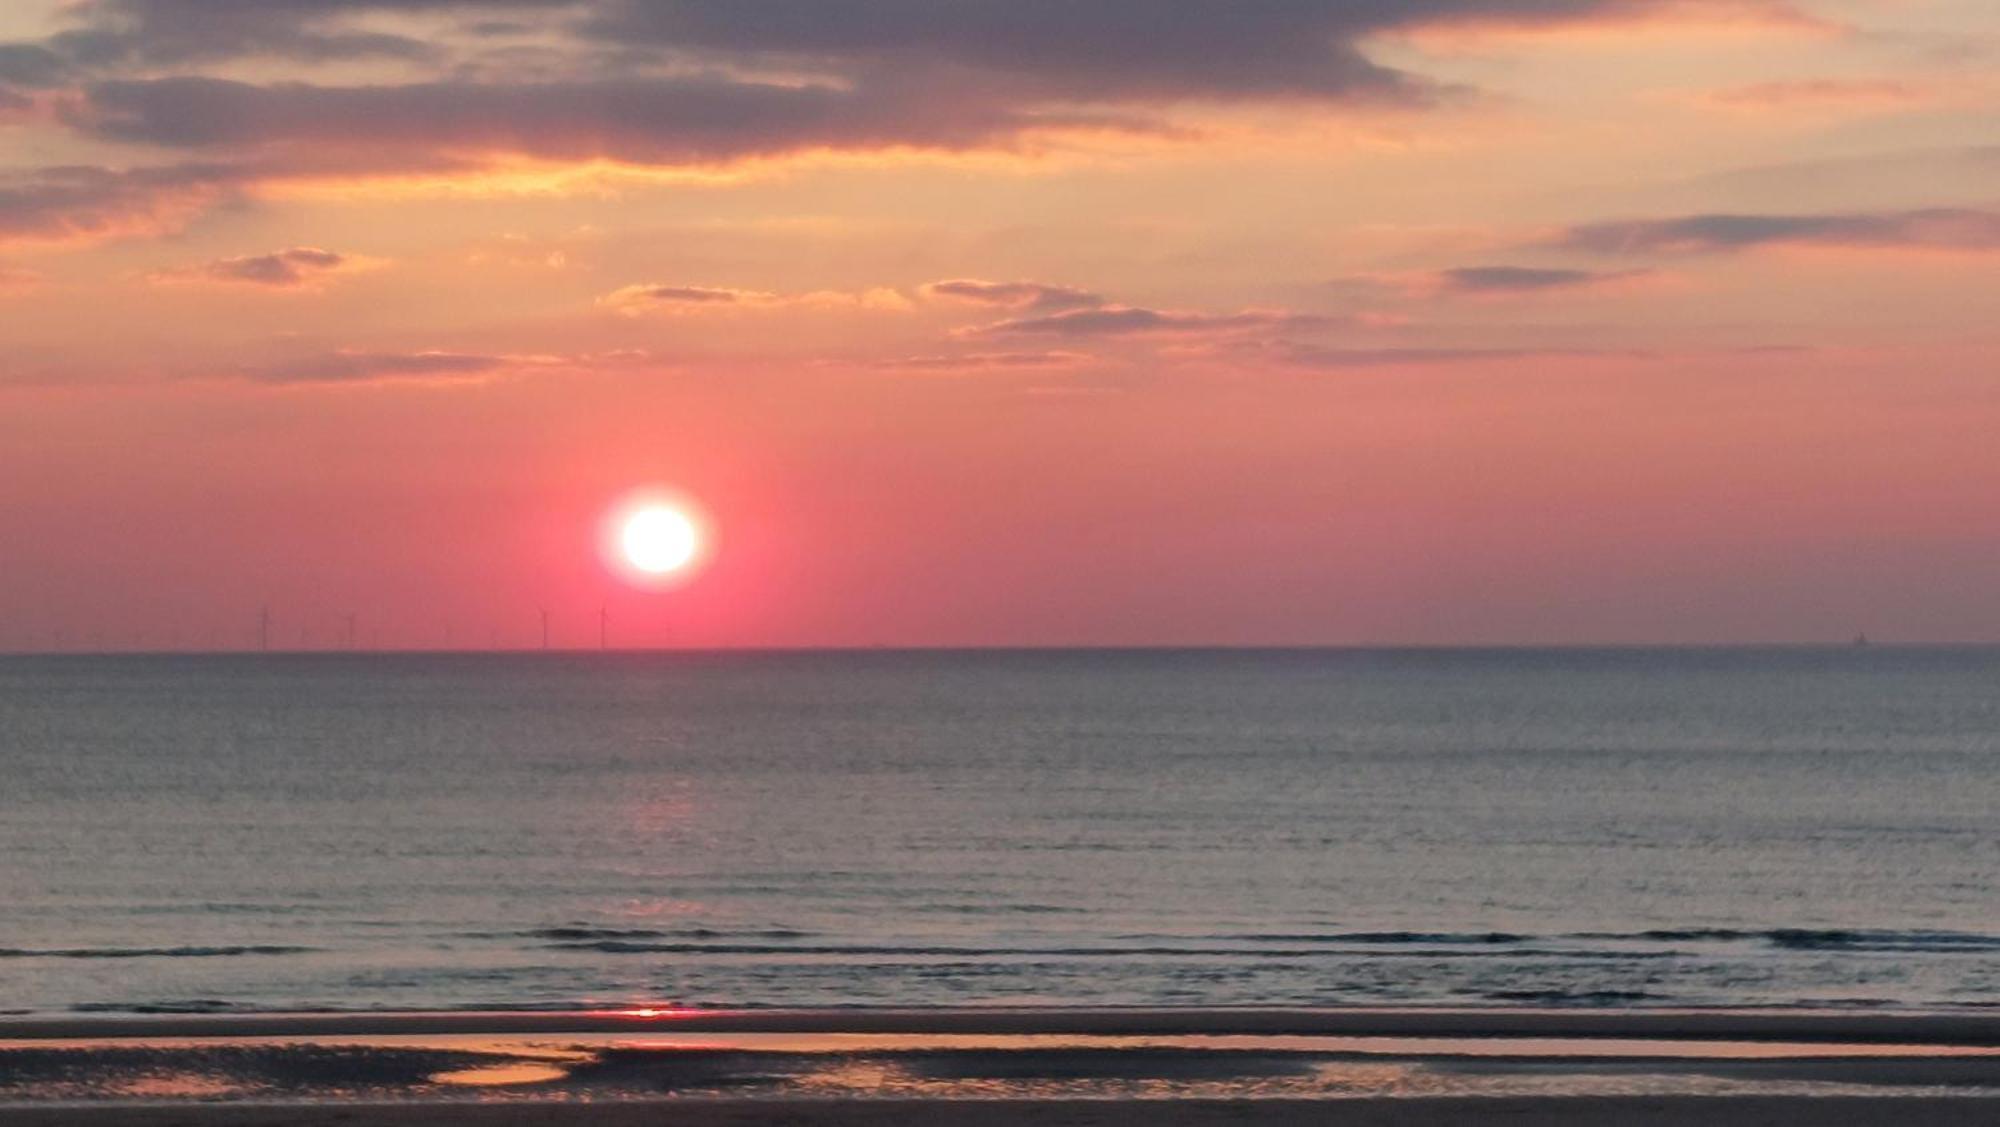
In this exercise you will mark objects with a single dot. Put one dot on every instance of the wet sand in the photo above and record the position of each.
(987, 1067)
(1643, 1111)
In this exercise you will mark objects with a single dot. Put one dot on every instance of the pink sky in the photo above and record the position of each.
(1484, 321)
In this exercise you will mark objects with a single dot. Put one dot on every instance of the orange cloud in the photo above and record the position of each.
(1132, 321)
(1037, 297)
(81, 203)
(649, 298)
(987, 361)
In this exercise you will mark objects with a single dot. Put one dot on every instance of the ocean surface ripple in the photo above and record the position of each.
(1740, 827)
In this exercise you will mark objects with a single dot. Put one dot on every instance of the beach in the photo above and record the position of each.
(1603, 1112)
(978, 1067)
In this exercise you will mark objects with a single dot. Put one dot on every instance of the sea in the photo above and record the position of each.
(1743, 827)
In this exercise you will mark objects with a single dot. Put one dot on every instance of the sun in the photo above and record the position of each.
(659, 540)
(656, 537)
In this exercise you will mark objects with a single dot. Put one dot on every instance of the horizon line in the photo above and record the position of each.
(970, 648)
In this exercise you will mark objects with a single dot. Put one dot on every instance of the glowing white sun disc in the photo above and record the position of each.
(656, 538)
(659, 540)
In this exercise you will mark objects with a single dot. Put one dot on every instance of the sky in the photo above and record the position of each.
(971, 322)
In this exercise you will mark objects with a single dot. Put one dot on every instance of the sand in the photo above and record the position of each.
(1748, 1111)
(986, 1068)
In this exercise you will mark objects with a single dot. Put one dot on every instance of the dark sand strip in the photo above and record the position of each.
(1675, 1111)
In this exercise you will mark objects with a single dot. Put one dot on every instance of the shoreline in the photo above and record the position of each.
(1803, 1026)
(975, 1068)
(1641, 1111)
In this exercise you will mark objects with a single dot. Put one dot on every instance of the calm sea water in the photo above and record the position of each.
(1744, 827)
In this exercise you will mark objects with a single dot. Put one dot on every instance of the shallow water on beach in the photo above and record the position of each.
(1583, 827)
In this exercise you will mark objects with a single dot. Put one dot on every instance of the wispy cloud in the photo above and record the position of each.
(1487, 281)
(290, 269)
(1126, 320)
(663, 121)
(80, 203)
(345, 366)
(1034, 297)
(1931, 228)
(1525, 279)
(673, 298)
(987, 361)
(650, 295)
(1298, 354)
(1295, 354)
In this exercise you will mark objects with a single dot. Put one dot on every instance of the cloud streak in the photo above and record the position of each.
(1034, 297)
(1130, 321)
(139, 33)
(658, 121)
(1930, 228)
(987, 361)
(670, 298)
(1488, 280)
(83, 203)
(291, 268)
(344, 366)
(1294, 354)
